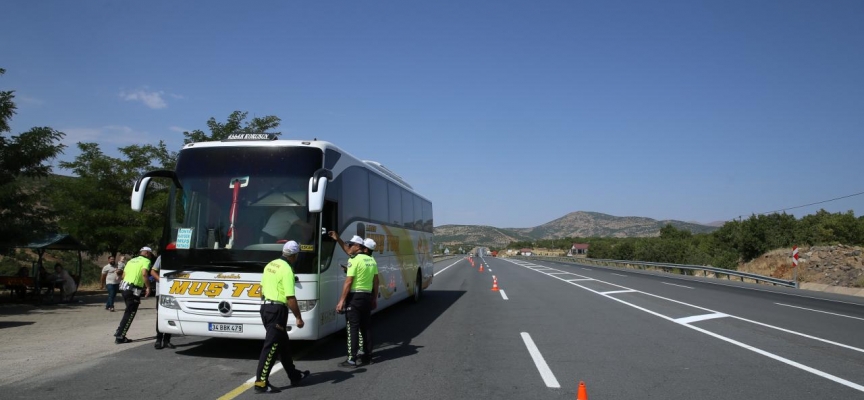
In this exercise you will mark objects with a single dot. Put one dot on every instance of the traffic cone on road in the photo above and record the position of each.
(582, 394)
(494, 283)
(481, 267)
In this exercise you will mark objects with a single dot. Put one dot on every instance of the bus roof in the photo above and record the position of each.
(261, 141)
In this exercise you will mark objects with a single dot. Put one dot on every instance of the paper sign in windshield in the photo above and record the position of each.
(184, 238)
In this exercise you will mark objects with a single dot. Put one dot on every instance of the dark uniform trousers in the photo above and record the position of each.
(162, 338)
(359, 315)
(132, 302)
(275, 319)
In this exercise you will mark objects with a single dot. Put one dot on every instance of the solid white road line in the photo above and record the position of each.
(545, 372)
(504, 295)
(820, 311)
(619, 274)
(579, 280)
(740, 344)
(672, 284)
(719, 282)
(697, 318)
(786, 361)
(436, 274)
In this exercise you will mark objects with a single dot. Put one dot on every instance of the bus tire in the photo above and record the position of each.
(418, 288)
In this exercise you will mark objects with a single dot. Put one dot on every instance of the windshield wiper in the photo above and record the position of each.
(238, 264)
(221, 265)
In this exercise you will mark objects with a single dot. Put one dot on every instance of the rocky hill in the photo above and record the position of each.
(594, 224)
(576, 224)
(476, 235)
(836, 265)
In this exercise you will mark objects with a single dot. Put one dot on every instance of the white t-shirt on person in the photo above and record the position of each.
(280, 222)
(110, 273)
(157, 265)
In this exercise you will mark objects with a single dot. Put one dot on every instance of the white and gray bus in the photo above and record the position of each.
(232, 204)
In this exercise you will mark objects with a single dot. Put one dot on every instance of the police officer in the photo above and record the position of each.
(351, 248)
(358, 299)
(135, 280)
(277, 295)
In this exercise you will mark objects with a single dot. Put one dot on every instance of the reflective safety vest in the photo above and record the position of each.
(277, 280)
(364, 269)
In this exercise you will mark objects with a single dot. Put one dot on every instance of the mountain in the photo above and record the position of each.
(576, 224)
(477, 235)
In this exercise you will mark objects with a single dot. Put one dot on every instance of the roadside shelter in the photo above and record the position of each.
(55, 241)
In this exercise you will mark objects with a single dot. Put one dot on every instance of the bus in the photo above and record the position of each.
(231, 206)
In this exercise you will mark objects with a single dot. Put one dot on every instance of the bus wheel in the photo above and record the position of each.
(418, 288)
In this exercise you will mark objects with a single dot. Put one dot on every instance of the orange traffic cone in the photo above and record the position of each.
(582, 394)
(481, 267)
(494, 283)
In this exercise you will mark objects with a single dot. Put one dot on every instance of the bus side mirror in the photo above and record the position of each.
(138, 193)
(317, 189)
(140, 187)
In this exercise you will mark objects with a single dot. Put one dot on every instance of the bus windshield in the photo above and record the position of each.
(239, 205)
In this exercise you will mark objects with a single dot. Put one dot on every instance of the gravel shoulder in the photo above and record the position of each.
(38, 338)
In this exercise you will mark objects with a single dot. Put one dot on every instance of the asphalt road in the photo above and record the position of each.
(626, 335)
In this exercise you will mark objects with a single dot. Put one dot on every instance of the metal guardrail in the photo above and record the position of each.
(670, 268)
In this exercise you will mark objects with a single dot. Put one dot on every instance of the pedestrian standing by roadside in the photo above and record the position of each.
(162, 339)
(110, 281)
(277, 295)
(135, 283)
(358, 299)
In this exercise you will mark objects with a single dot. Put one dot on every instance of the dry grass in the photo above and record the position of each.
(775, 263)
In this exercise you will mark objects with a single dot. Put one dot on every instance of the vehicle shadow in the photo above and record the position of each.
(13, 324)
(221, 348)
(392, 332)
(393, 328)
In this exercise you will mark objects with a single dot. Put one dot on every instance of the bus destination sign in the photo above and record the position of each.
(251, 136)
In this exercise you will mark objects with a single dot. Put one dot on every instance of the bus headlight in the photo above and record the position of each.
(168, 302)
(306, 305)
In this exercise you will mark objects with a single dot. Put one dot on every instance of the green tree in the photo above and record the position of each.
(95, 206)
(23, 164)
(220, 131)
(670, 232)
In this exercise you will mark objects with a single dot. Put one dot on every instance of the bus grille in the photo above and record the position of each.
(239, 308)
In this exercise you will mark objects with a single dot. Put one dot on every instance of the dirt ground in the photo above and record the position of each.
(38, 337)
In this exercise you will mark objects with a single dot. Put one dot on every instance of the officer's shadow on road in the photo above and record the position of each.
(394, 328)
(333, 377)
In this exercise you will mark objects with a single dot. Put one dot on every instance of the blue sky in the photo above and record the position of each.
(504, 113)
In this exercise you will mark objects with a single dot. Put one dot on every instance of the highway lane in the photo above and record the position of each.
(833, 317)
(742, 357)
(465, 341)
(441, 347)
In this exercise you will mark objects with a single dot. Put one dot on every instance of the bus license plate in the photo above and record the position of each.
(230, 328)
